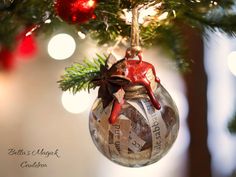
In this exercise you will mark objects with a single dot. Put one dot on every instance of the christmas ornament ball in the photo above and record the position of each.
(75, 11)
(7, 59)
(27, 47)
(142, 134)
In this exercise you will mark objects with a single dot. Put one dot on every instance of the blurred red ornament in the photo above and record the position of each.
(26, 47)
(7, 59)
(76, 11)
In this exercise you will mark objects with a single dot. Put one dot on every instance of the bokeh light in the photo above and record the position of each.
(76, 103)
(81, 35)
(232, 62)
(61, 46)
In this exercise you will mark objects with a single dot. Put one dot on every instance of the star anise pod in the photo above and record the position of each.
(111, 80)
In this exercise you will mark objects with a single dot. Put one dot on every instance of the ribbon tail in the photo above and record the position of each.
(116, 109)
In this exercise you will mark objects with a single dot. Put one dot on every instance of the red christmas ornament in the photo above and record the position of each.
(134, 121)
(75, 11)
(27, 47)
(7, 59)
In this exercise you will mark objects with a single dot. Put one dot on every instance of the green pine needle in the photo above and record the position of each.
(79, 76)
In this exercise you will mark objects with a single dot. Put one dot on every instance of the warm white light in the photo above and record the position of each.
(163, 16)
(61, 46)
(91, 3)
(232, 62)
(76, 103)
(144, 13)
(48, 21)
(81, 35)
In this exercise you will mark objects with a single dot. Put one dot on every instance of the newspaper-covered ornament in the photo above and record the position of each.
(134, 121)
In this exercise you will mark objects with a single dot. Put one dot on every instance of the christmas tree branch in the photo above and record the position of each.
(79, 76)
(170, 39)
(108, 27)
(225, 23)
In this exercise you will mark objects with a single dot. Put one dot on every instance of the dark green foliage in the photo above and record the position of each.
(8, 29)
(170, 39)
(79, 75)
(108, 27)
(23, 14)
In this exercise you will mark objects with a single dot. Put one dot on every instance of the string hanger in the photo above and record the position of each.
(134, 49)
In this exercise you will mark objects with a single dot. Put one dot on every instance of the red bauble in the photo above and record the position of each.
(27, 47)
(7, 59)
(75, 11)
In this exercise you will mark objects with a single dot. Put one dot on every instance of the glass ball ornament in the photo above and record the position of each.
(141, 135)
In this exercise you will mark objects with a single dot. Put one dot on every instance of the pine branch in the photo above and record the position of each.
(22, 14)
(224, 23)
(8, 30)
(108, 27)
(170, 39)
(79, 76)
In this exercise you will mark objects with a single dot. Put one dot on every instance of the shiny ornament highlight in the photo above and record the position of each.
(75, 11)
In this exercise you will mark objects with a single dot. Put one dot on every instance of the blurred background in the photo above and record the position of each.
(35, 113)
